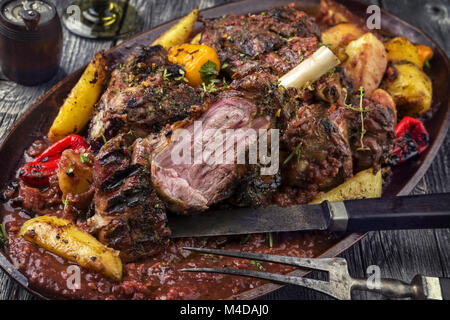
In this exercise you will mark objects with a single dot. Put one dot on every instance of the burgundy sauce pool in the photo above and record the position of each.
(158, 277)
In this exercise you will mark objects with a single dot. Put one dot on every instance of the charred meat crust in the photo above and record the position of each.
(317, 142)
(129, 216)
(145, 93)
(274, 40)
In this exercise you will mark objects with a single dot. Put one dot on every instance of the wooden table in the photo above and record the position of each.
(399, 254)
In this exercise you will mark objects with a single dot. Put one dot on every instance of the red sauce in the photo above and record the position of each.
(158, 277)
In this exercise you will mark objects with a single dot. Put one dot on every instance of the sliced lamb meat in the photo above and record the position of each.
(318, 151)
(144, 94)
(129, 216)
(275, 40)
(194, 185)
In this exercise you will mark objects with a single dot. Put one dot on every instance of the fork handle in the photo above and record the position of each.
(410, 212)
(421, 288)
(390, 288)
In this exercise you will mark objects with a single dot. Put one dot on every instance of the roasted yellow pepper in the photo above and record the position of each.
(66, 240)
(78, 108)
(425, 53)
(200, 62)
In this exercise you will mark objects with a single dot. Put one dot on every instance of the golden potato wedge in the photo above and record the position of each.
(196, 39)
(66, 240)
(179, 33)
(75, 173)
(412, 89)
(341, 35)
(367, 62)
(364, 185)
(400, 49)
(77, 110)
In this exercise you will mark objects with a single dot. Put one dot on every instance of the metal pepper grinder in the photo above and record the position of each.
(30, 40)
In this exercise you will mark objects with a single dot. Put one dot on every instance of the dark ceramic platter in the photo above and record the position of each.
(36, 121)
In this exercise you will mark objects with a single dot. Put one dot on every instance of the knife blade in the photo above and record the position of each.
(411, 212)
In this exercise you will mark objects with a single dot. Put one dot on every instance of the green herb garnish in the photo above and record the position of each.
(166, 75)
(293, 153)
(103, 137)
(208, 71)
(361, 110)
(209, 88)
(65, 202)
(182, 75)
(84, 157)
(257, 264)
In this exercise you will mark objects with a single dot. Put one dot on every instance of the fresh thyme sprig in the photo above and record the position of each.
(361, 110)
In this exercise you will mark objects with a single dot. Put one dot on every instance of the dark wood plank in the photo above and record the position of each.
(400, 254)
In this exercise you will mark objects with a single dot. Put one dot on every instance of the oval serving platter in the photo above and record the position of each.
(37, 120)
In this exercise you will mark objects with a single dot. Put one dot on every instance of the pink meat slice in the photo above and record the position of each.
(195, 186)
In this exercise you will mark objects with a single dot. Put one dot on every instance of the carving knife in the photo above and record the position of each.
(410, 212)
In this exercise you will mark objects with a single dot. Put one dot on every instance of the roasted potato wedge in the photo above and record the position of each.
(367, 62)
(364, 185)
(66, 240)
(77, 110)
(179, 33)
(75, 171)
(339, 36)
(400, 49)
(411, 89)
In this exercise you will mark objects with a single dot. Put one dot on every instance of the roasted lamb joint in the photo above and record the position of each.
(129, 216)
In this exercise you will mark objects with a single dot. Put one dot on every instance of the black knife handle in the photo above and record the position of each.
(410, 212)
(445, 288)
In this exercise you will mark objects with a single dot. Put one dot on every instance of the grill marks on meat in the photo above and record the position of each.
(275, 40)
(129, 216)
(143, 96)
(317, 143)
(195, 186)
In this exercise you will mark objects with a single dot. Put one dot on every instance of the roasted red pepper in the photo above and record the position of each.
(38, 171)
(411, 139)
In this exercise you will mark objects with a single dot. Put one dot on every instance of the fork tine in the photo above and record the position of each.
(310, 263)
(317, 285)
